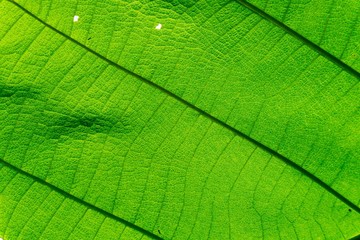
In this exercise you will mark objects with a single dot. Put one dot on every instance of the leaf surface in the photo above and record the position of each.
(129, 138)
(32, 209)
(236, 65)
(332, 25)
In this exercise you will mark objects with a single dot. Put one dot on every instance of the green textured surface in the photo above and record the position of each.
(333, 25)
(151, 127)
(31, 209)
(236, 65)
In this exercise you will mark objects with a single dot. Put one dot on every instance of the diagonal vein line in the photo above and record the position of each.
(80, 201)
(357, 237)
(205, 114)
(301, 38)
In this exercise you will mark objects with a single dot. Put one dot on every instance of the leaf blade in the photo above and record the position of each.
(273, 88)
(33, 209)
(321, 22)
(213, 137)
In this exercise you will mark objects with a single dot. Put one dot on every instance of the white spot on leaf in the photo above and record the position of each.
(159, 26)
(76, 18)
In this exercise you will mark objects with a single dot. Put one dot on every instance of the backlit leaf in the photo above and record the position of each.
(174, 120)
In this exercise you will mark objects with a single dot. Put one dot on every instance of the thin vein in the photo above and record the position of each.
(169, 164)
(352, 30)
(98, 230)
(186, 181)
(51, 218)
(206, 183)
(148, 173)
(70, 236)
(122, 165)
(286, 10)
(327, 22)
(34, 214)
(17, 204)
(173, 156)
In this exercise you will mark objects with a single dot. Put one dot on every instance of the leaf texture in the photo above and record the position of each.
(31, 209)
(237, 66)
(247, 133)
(333, 25)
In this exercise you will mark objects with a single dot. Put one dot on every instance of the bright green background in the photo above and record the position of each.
(127, 147)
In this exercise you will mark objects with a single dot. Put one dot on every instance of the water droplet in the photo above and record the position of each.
(76, 18)
(159, 26)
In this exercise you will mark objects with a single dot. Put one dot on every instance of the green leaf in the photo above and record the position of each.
(237, 66)
(332, 25)
(221, 124)
(33, 209)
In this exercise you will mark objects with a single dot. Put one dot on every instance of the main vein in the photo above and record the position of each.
(301, 38)
(78, 200)
(205, 114)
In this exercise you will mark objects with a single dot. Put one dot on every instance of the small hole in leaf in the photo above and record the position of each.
(350, 210)
(76, 18)
(158, 27)
(89, 38)
(159, 231)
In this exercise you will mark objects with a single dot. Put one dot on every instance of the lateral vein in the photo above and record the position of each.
(301, 38)
(80, 201)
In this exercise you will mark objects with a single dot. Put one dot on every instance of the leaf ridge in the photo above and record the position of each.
(284, 159)
(301, 38)
(80, 201)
